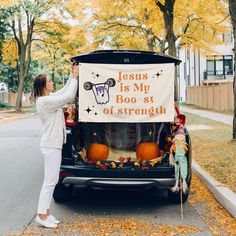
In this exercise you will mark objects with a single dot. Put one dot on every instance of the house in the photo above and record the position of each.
(197, 69)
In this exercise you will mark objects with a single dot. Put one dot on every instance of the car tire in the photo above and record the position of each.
(62, 193)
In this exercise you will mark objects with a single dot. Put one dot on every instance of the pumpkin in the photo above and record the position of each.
(147, 151)
(97, 152)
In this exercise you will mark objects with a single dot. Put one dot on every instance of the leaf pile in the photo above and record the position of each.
(114, 226)
(215, 216)
(214, 151)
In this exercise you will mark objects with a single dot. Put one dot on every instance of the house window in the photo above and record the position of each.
(228, 65)
(220, 65)
(228, 37)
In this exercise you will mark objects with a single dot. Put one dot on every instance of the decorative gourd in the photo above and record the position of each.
(147, 151)
(98, 152)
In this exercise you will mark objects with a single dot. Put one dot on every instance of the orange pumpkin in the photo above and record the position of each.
(98, 152)
(147, 151)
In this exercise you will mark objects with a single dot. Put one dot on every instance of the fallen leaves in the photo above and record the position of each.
(215, 216)
(214, 151)
(115, 226)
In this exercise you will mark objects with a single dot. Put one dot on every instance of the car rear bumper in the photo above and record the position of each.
(106, 182)
(86, 176)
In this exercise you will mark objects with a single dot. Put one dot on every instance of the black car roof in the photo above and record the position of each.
(125, 57)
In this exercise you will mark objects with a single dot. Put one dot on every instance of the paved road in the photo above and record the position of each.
(21, 172)
(20, 182)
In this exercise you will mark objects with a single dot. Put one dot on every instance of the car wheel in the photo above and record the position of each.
(62, 193)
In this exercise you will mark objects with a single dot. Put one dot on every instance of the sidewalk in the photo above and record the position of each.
(224, 195)
(227, 119)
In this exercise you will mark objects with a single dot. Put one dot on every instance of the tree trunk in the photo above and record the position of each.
(168, 14)
(232, 10)
(20, 92)
(150, 44)
(21, 78)
(24, 55)
(22, 75)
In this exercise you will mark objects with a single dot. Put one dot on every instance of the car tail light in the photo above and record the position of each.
(69, 123)
(181, 119)
(66, 174)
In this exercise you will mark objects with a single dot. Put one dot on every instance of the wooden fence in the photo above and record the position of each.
(215, 97)
(10, 98)
(4, 97)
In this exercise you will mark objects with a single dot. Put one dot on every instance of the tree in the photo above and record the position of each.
(167, 9)
(3, 30)
(22, 18)
(55, 45)
(124, 24)
(161, 24)
(8, 75)
(232, 10)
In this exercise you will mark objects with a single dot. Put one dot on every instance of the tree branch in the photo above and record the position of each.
(20, 30)
(14, 32)
(160, 5)
(46, 42)
(219, 22)
(116, 24)
(189, 23)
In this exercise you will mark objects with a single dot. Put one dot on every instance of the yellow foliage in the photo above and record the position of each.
(133, 23)
(204, 20)
(129, 24)
(9, 3)
(77, 9)
(57, 43)
(10, 52)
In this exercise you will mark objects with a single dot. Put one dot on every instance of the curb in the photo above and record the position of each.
(224, 195)
(5, 111)
(3, 121)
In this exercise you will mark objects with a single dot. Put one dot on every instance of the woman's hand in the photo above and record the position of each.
(75, 70)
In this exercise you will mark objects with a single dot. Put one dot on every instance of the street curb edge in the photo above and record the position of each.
(3, 121)
(224, 195)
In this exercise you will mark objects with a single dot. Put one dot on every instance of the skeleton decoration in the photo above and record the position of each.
(100, 90)
(179, 160)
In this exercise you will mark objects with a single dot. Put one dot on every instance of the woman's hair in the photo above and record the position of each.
(39, 85)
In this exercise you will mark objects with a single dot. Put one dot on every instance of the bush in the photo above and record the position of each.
(4, 105)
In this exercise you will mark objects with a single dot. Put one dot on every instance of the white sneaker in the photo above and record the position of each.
(54, 219)
(45, 223)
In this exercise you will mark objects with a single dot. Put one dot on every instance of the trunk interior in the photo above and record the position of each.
(122, 139)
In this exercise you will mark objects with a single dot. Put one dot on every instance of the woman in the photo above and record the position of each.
(49, 108)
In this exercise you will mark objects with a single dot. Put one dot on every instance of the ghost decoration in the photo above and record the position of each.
(100, 90)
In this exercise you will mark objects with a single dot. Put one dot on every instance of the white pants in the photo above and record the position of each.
(52, 163)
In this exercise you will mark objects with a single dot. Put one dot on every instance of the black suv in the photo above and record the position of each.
(121, 138)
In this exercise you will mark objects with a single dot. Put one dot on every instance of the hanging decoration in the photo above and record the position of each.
(179, 160)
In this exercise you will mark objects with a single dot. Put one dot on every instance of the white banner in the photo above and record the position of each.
(126, 93)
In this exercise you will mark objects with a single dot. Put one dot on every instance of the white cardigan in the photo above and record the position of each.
(49, 109)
